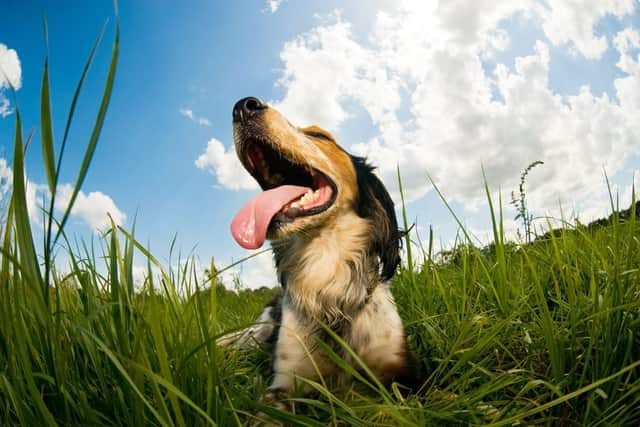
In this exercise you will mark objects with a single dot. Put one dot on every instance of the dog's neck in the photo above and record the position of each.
(329, 275)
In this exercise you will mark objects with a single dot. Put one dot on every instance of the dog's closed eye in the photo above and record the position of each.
(316, 132)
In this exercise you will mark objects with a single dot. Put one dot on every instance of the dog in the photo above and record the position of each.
(336, 244)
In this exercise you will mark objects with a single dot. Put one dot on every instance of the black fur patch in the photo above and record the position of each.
(374, 203)
(276, 318)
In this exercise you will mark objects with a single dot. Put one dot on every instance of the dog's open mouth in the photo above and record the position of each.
(291, 190)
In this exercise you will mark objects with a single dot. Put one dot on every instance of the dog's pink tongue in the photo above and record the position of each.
(249, 226)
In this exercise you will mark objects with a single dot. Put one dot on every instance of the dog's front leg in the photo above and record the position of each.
(295, 355)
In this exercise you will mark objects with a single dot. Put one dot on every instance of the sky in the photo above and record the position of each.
(442, 90)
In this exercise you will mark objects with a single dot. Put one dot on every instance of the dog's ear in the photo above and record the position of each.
(375, 204)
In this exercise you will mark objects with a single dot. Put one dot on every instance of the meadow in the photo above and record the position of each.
(545, 331)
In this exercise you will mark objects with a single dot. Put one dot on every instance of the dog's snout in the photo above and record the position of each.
(246, 108)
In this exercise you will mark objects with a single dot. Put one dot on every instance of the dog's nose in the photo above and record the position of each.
(247, 107)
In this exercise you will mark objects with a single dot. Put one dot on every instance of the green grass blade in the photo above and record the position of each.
(46, 129)
(174, 391)
(18, 404)
(97, 128)
(76, 95)
(47, 116)
(405, 224)
(498, 240)
(125, 375)
(165, 369)
(24, 238)
(567, 397)
(48, 156)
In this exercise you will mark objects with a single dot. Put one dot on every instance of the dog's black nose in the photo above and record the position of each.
(247, 107)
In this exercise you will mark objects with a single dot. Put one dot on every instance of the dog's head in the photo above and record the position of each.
(307, 181)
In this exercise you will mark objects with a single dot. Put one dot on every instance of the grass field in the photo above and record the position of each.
(540, 333)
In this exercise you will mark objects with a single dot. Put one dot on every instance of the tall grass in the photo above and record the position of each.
(539, 333)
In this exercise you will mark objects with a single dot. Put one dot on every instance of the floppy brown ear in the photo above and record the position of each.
(375, 204)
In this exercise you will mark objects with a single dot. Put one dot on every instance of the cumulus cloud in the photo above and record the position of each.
(427, 59)
(225, 166)
(188, 113)
(10, 75)
(439, 104)
(572, 22)
(628, 87)
(91, 209)
(327, 66)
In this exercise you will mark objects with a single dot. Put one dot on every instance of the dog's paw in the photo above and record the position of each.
(275, 398)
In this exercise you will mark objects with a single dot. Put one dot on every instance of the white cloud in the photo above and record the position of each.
(225, 166)
(141, 275)
(274, 5)
(92, 209)
(634, 187)
(254, 273)
(326, 66)
(573, 21)
(628, 87)
(34, 206)
(427, 58)
(188, 113)
(5, 110)
(34, 194)
(10, 75)
(6, 178)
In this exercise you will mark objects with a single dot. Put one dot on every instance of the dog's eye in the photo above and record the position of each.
(319, 135)
(314, 131)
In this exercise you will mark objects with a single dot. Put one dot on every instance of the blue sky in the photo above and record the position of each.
(438, 88)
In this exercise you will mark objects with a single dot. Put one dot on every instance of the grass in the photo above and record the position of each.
(540, 333)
